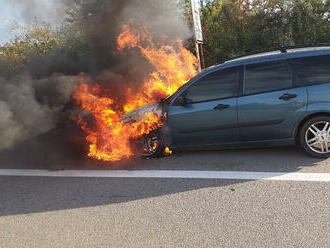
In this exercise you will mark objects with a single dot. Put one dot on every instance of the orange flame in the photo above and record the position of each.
(174, 65)
(167, 151)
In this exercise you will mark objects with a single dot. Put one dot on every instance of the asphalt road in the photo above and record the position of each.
(158, 212)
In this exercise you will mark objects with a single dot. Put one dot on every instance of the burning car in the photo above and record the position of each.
(114, 126)
(277, 97)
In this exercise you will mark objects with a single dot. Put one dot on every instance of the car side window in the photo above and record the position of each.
(312, 70)
(216, 85)
(267, 76)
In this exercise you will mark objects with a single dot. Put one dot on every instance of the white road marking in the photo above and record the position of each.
(240, 175)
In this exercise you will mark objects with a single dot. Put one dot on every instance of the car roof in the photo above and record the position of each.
(265, 56)
(274, 54)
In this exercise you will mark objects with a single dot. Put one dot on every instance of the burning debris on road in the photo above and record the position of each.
(119, 118)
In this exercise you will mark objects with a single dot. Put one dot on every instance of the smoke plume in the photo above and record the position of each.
(33, 102)
(26, 11)
(30, 107)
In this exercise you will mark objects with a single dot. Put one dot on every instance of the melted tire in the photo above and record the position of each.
(156, 152)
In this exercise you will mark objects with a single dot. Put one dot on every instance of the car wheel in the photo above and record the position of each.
(149, 146)
(315, 137)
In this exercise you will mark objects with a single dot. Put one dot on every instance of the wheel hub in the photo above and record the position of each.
(318, 137)
(150, 145)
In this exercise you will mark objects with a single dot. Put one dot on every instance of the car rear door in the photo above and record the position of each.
(270, 105)
(210, 115)
(314, 73)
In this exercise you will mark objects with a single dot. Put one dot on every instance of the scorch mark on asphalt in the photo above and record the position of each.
(185, 174)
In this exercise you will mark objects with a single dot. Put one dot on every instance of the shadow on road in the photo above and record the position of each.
(22, 195)
(55, 150)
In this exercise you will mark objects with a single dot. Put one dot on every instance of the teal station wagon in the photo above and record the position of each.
(277, 97)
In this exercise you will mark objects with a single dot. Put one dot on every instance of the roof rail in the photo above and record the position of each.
(281, 49)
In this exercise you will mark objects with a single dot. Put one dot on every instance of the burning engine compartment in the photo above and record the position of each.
(137, 112)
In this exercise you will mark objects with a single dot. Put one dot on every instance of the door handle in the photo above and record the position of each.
(287, 96)
(221, 106)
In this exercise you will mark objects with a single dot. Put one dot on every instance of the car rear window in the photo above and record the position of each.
(312, 70)
(268, 76)
(216, 85)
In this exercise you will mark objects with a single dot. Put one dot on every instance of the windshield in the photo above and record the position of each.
(169, 98)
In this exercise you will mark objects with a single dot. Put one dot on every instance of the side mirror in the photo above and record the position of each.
(181, 100)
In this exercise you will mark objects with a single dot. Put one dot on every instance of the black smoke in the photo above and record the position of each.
(36, 99)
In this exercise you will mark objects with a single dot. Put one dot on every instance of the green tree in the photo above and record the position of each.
(234, 27)
(37, 39)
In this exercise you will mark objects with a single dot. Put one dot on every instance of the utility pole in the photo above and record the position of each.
(198, 35)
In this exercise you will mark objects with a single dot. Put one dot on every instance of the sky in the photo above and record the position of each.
(23, 12)
(7, 15)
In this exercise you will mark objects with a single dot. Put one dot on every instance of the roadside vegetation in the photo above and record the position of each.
(234, 27)
(230, 28)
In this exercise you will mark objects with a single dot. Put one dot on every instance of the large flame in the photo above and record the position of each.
(109, 139)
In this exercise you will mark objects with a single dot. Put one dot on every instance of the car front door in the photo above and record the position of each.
(270, 106)
(205, 113)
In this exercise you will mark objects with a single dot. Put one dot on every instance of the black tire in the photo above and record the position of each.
(156, 152)
(304, 133)
(150, 145)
